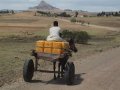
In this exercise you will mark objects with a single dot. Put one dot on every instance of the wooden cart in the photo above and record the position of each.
(65, 69)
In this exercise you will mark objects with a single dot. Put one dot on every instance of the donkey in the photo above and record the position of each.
(62, 63)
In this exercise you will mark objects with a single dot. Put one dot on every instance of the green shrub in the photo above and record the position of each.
(73, 20)
(66, 34)
(79, 36)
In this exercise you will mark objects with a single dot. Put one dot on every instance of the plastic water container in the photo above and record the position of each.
(51, 47)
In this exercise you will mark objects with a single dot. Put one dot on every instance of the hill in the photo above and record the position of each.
(44, 6)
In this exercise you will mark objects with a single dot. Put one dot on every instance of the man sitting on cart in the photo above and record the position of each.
(54, 33)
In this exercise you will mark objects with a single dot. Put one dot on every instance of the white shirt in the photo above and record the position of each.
(54, 31)
(54, 34)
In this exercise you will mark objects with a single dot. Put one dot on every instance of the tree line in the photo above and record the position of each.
(7, 11)
(109, 13)
(62, 14)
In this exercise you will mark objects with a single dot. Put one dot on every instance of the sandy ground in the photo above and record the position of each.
(97, 72)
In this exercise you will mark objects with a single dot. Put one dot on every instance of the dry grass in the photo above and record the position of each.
(12, 56)
(103, 21)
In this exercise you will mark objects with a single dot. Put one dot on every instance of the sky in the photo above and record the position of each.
(86, 5)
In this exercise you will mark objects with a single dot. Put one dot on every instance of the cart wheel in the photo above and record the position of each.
(28, 70)
(69, 73)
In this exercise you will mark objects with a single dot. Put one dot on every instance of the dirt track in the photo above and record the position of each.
(97, 72)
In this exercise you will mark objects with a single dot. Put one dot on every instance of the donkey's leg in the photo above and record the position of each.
(54, 67)
(59, 65)
(64, 61)
(62, 68)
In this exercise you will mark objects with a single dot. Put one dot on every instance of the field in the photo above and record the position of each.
(19, 32)
(104, 21)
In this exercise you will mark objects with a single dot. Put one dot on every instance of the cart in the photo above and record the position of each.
(65, 70)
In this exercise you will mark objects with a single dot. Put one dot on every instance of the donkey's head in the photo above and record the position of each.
(72, 45)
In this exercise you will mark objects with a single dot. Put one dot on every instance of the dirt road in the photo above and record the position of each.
(97, 72)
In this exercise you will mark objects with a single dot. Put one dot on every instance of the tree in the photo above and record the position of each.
(76, 14)
(103, 13)
(12, 12)
(116, 14)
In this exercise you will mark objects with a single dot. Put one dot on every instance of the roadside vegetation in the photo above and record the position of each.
(80, 37)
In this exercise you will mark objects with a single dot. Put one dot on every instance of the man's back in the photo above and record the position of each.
(54, 31)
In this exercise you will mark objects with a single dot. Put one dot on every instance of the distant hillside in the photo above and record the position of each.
(44, 6)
